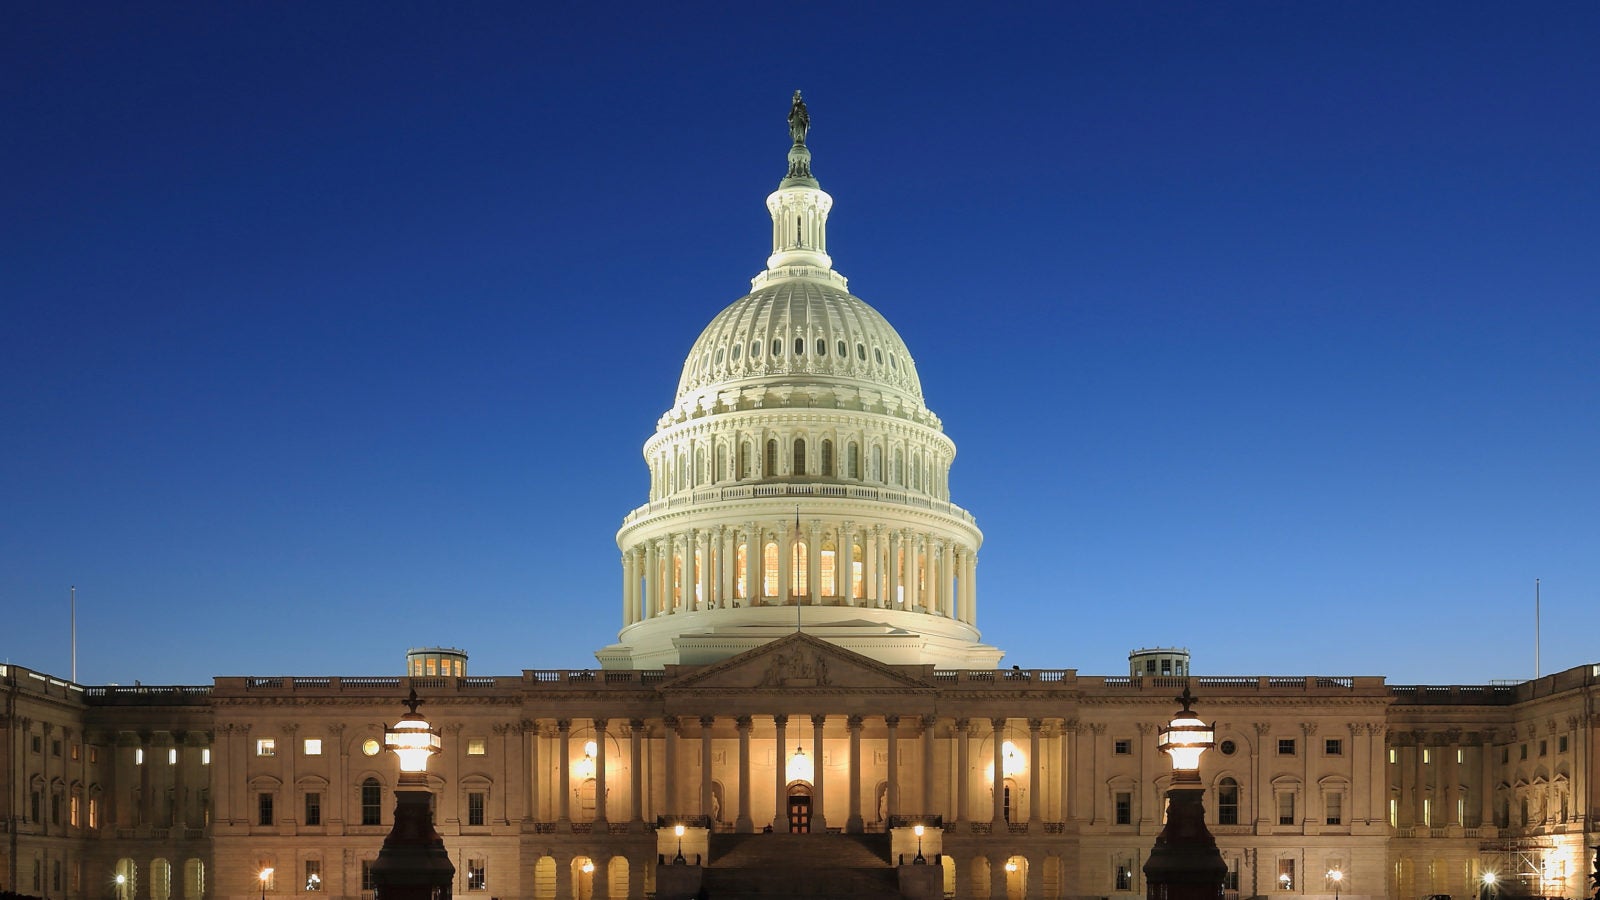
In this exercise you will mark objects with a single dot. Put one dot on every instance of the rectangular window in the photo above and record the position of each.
(1522, 750)
(55, 809)
(1505, 755)
(1561, 744)
(38, 747)
(1124, 808)
(138, 756)
(264, 809)
(1286, 807)
(371, 802)
(172, 756)
(35, 807)
(55, 750)
(1394, 813)
(1427, 756)
(1122, 747)
(1285, 874)
(1427, 811)
(1230, 879)
(94, 813)
(75, 811)
(1461, 756)
(476, 746)
(55, 874)
(367, 884)
(476, 880)
(313, 747)
(94, 754)
(1393, 756)
(475, 808)
(1285, 746)
(1333, 747)
(313, 809)
(1544, 747)
(1124, 877)
(1333, 807)
(76, 749)
(266, 747)
(205, 756)
(313, 875)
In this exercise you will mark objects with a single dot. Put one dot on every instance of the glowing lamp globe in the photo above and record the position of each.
(412, 739)
(1185, 739)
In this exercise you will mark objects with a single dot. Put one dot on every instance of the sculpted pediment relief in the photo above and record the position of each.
(797, 662)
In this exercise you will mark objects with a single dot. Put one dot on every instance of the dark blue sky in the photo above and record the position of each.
(1269, 330)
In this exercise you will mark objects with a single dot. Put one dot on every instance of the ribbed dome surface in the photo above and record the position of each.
(796, 329)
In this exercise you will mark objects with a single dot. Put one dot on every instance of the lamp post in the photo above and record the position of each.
(920, 860)
(1487, 891)
(1338, 878)
(121, 881)
(1185, 864)
(588, 873)
(679, 860)
(265, 875)
(413, 864)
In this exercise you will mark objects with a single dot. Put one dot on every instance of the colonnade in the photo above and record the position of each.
(782, 563)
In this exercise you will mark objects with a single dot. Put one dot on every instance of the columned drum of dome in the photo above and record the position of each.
(799, 481)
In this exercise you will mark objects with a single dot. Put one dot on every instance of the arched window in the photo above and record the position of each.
(801, 587)
(899, 467)
(722, 463)
(828, 570)
(1227, 802)
(858, 572)
(853, 461)
(740, 567)
(916, 471)
(877, 463)
(699, 465)
(769, 569)
(799, 456)
(744, 459)
(822, 347)
(769, 466)
(698, 564)
(827, 458)
(194, 879)
(371, 802)
(799, 346)
(677, 579)
(160, 879)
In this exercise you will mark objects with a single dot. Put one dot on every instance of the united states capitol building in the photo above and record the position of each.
(800, 681)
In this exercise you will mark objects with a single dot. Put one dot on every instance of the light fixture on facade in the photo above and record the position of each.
(585, 767)
(265, 875)
(1337, 877)
(1012, 761)
(799, 767)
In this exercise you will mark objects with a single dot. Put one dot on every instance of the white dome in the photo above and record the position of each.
(799, 330)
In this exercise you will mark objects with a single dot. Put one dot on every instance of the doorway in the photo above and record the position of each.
(799, 810)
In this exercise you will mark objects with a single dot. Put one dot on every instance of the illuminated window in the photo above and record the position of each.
(313, 747)
(432, 666)
(769, 569)
(699, 570)
(828, 564)
(1393, 756)
(476, 879)
(477, 746)
(1285, 874)
(94, 813)
(266, 747)
(1124, 881)
(75, 811)
(740, 568)
(801, 586)
(138, 756)
(1427, 756)
(1394, 813)
(1427, 811)
(858, 573)
(313, 880)
(205, 756)
(172, 756)
(76, 747)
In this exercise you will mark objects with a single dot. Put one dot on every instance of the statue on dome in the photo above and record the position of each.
(799, 120)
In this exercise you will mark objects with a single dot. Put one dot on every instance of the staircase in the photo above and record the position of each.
(800, 867)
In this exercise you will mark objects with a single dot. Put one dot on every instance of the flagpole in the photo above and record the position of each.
(1536, 669)
(74, 606)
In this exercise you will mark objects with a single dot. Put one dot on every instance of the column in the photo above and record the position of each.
(911, 546)
(819, 821)
(510, 763)
(892, 774)
(928, 732)
(972, 589)
(682, 554)
(1036, 794)
(998, 786)
(1262, 787)
(892, 573)
(628, 617)
(853, 824)
(728, 560)
(1359, 752)
(670, 781)
(636, 761)
(869, 554)
(753, 567)
(600, 795)
(564, 776)
(1313, 799)
(1420, 795)
(785, 555)
(963, 770)
(1451, 778)
(744, 824)
(1486, 780)
(532, 774)
(962, 580)
(845, 564)
(703, 548)
(780, 815)
(814, 563)
(705, 764)
(652, 580)
(1069, 758)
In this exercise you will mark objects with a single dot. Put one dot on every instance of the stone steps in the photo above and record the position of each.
(800, 867)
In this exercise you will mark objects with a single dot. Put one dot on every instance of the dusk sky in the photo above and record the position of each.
(1270, 330)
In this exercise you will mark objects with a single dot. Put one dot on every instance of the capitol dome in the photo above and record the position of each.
(799, 481)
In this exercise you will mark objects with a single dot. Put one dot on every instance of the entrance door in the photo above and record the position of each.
(799, 814)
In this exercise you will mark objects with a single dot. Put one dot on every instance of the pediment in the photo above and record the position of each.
(798, 662)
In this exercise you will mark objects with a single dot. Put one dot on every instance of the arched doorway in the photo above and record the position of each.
(799, 808)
